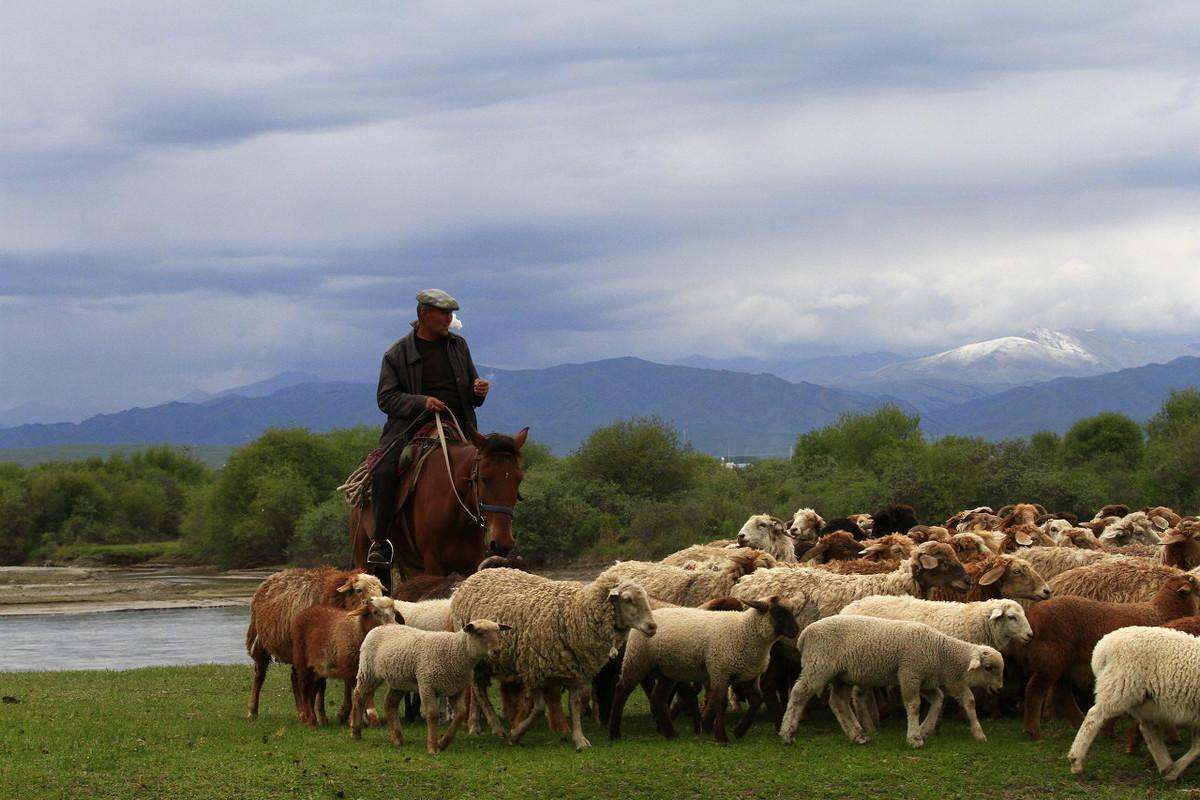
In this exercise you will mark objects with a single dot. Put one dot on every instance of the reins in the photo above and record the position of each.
(483, 507)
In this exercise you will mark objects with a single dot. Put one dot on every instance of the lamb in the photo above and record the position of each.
(682, 586)
(1153, 674)
(995, 577)
(866, 651)
(284, 594)
(1114, 580)
(931, 564)
(1065, 629)
(740, 559)
(721, 648)
(427, 615)
(564, 632)
(432, 664)
(881, 555)
(325, 643)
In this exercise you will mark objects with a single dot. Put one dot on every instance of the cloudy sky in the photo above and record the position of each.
(200, 195)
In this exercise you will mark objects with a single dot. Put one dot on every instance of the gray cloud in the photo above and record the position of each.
(201, 194)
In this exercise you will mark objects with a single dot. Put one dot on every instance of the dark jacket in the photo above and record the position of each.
(399, 393)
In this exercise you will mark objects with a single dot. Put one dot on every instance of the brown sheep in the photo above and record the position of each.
(969, 546)
(928, 533)
(1020, 514)
(1066, 629)
(1117, 580)
(282, 596)
(439, 587)
(836, 546)
(1181, 546)
(325, 644)
(995, 577)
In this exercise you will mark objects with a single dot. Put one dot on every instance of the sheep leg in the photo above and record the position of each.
(554, 710)
(1157, 746)
(1035, 698)
(1067, 706)
(344, 712)
(318, 702)
(659, 700)
(1085, 736)
(391, 709)
(262, 660)
(750, 691)
(429, 703)
(616, 708)
(804, 690)
(714, 711)
(1184, 761)
(576, 694)
(1133, 737)
(304, 687)
(841, 705)
(774, 684)
(539, 708)
(362, 690)
(865, 708)
(910, 694)
(459, 703)
(480, 695)
(687, 698)
(966, 699)
(937, 700)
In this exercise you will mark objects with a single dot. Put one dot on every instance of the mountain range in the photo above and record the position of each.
(977, 389)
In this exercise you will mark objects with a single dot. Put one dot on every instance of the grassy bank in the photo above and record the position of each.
(181, 733)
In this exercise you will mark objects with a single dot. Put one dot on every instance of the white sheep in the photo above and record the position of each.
(805, 526)
(769, 534)
(719, 648)
(1134, 528)
(426, 615)
(827, 593)
(432, 664)
(564, 632)
(867, 651)
(1153, 674)
(995, 623)
(692, 584)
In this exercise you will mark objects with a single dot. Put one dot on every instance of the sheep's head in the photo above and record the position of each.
(359, 588)
(1134, 528)
(928, 533)
(1185, 588)
(1023, 535)
(1162, 517)
(1117, 510)
(1008, 623)
(893, 547)
(805, 525)
(1181, 545)
(1055, 526)
(783, 621)
(485, 636)
(986, 669)
(631, 608)
(1082, 538)
(864, 521)
(969, 546)
(934, 564)
(1022, 514)
(836, 546)
(379, 611)
(1015, 578)
(765, 532)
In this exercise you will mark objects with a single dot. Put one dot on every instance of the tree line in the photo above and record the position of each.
(633, 489)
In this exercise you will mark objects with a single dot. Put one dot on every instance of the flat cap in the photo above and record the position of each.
(438, 299)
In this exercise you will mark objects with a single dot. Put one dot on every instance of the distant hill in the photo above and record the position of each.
(821, 369)
(1056, 405)
(263, 388)
(719, 412)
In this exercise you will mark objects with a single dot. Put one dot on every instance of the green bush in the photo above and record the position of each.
(323, 535)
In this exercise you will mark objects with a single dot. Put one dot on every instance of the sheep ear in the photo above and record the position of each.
(347, 586)
(996, 613)
(504, 626)
(872, 549)
(469, 627)
(992, 575)
(1160, 522)
(757, 605)
(927, 561)
(975, 663)
(815, 550)
(1023, 539)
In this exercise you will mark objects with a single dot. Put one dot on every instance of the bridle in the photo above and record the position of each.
(483, 508)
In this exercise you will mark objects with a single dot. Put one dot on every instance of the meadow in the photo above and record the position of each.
(181, 732)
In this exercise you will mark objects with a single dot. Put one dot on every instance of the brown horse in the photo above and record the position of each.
(456, 517)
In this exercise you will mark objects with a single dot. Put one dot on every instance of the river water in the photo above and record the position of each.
(124, 639)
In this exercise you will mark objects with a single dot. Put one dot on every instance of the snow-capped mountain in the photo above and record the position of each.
(983, 368)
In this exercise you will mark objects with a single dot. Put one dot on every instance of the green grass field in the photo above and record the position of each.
(181, 732)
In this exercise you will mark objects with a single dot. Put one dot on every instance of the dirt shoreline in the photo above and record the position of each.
(74, 590)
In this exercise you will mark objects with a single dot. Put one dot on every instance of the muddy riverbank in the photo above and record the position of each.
(72, 590)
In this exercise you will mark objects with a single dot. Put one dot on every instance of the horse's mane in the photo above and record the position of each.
(501, 444)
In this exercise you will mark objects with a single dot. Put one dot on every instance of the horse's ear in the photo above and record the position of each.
(519, 439)
(479, 439)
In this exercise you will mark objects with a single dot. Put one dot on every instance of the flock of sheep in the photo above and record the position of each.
(861, 611)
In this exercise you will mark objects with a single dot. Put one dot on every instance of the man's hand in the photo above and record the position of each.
(433, 404)
(480, 388)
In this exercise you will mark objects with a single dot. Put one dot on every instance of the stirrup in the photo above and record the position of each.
(381, 552)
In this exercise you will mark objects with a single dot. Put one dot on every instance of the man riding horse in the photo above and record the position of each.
(428, 370)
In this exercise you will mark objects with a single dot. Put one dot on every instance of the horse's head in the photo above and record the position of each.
(498, 480)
